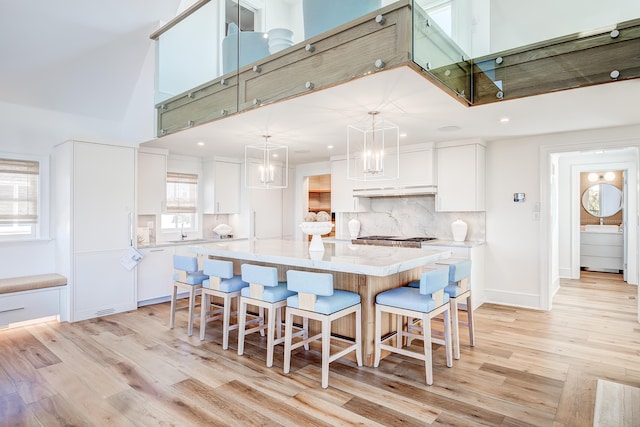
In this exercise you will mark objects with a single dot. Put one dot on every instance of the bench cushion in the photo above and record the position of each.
(28, 283)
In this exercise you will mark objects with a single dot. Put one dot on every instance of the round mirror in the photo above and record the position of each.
(602, 200)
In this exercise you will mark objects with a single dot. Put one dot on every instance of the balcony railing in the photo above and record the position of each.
(225, 56)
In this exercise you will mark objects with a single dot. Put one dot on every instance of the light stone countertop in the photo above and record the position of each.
(451, 243)
(344, 257)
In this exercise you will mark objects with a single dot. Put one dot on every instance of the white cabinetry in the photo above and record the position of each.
(416, 167)
(265, 221)
(602, 251)
(154, 275)
(342, 199)
(221, 188)
(460, 177)
(95, 199)
(152, 182)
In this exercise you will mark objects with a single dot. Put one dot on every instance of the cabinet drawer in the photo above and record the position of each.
(29, 305)
(602, 251)
(601, 238)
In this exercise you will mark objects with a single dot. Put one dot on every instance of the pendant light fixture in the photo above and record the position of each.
(266, 165)
(372, 149)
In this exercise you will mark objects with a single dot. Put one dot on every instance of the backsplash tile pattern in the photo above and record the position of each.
(410, 216)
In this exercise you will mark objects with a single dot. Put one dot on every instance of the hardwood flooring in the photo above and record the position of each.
(528, 368)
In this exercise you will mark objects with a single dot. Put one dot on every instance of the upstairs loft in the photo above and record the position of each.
(405, 33)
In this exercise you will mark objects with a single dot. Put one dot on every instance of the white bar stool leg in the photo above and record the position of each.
(288, 332)
(226, 320)
(453, 304)
(174, 296)
(242, 312)
(326, 349)
(271, 322)
(204, 306)
(428, 358)
(192, 303)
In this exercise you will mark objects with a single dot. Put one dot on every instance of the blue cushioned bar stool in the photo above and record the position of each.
(186, 276)
(459, 290)
(424, 303)
(316, 299)
(266, 292)
(222, 283)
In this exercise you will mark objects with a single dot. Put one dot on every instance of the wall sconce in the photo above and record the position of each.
(372, 150)
(607, 176)
(266, 165)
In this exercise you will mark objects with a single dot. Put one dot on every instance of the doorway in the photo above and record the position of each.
(560, 208)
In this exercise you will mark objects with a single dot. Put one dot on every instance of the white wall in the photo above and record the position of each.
(512, 267)
(517, 244)
(518, 23)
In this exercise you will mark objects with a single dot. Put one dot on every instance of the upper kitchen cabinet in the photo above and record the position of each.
(342, 199)
(152, 181)
(416, 165)
(460, 176)
(222, 180)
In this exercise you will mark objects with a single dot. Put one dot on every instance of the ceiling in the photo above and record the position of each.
(64, 55)
(310, 123)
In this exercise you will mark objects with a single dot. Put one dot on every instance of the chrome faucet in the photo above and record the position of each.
(183, 235)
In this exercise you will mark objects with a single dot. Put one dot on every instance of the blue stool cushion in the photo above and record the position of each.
(218, 268)
(192, 278)
(431, 281)
(329, 304)
(310, 282)
(409, 299)
(271, 294)
(459, 271)
(453, 290)
(185, 263)
(233, 284)
(260, 275)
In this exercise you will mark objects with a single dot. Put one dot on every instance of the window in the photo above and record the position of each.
(182, 202)
(20, 197)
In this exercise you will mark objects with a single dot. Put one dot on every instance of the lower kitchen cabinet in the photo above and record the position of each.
(155, 272)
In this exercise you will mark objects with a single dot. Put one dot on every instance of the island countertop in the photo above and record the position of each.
(380, 261)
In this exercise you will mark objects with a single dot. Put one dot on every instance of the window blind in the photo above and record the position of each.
(182, 192)
(19, 191)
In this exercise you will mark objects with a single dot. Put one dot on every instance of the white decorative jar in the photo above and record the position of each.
(316, 229)
(459, 230)
(279, 39)
(354, 228)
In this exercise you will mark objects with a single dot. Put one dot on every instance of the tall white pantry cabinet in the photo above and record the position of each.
(95, 208)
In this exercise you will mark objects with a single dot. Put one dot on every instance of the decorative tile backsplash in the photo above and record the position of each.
(411, 217)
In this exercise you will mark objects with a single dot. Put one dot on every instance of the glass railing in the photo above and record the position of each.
(482, 50)
(486, 51)
(221, 36)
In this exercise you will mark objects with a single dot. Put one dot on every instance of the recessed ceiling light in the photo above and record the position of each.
(200, 144)
(504, 120)
(403, 135)
(330, 147)
(449, 128)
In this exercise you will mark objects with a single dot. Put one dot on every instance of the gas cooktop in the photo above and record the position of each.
(400, 241)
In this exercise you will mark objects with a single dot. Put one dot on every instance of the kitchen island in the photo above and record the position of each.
(367, 270)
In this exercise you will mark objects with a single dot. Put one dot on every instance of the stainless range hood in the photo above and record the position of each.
(413, 190)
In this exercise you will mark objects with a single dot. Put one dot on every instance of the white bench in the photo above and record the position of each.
(27, 298)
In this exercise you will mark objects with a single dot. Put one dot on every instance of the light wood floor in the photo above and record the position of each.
(528, 368)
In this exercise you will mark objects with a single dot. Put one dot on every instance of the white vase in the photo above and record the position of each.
(459, 230)
(354, 228)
